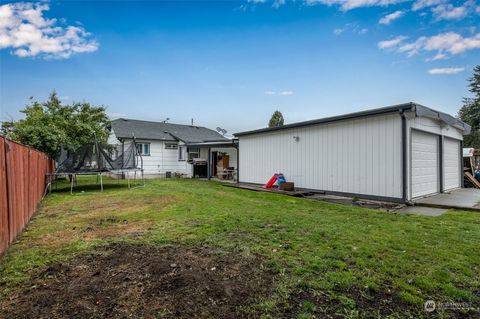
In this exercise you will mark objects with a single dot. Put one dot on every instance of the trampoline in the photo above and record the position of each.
(96, 159)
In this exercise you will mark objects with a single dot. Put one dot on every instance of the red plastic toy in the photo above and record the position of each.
(272, 180)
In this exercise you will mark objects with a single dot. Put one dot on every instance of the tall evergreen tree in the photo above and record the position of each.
(276, 119)
(470, 112)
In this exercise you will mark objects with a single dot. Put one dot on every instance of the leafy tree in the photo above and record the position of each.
(50, 124)
(470, 112)
(276, 119)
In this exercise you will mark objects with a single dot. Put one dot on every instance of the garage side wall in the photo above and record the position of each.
(360, 156)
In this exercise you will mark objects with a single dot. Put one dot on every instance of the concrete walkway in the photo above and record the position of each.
(421, 210)
(464, 198)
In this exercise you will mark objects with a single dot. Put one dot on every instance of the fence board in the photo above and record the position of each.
(22, 184)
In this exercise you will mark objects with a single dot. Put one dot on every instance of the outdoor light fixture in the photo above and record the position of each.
(296, 138)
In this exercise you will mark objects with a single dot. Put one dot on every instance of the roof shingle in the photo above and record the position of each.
(126, 128)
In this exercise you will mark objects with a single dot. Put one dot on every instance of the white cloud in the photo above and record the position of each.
(389, 18)
(443, 10)
(443, 44)
(353, 4)
(452, 42)
(449, 12)
(387, 44)
(278, 3)
(446, 71)
(438, 56)
(351, 27)
(440, 9)
(421, 4)
(275, 3)
(282, 93)
(24, 29)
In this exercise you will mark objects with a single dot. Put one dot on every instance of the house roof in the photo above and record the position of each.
(126, 128)
(418, 109)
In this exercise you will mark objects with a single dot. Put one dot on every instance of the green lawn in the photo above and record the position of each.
(326, 257)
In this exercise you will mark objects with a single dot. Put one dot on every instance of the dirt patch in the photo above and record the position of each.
(120, 281)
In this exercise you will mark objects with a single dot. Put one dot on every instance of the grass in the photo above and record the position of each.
(357, 258)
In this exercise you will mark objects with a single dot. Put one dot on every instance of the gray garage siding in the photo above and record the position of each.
(361, 156)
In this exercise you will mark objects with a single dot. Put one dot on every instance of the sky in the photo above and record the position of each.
(231, 64)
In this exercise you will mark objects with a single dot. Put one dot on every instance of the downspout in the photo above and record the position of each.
(462, 173)
(238, 161)
(209, 161)
(440, 162)
(123, 153)
(134, 150)
(404, 158)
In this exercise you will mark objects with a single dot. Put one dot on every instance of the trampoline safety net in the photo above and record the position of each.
(95, 157)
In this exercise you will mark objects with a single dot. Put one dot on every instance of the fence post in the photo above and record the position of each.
(4, 220)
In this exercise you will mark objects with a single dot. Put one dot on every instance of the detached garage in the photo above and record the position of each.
(396, 153)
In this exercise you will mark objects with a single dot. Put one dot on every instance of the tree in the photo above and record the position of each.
(470, 112)
(50, 124)
(276, 119)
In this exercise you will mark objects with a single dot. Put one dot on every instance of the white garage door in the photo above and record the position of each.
(451, 164)
(425, 179)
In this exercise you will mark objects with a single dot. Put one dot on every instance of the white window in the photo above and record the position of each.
(193, 152)
(181, 153)
(143, 149)
(171, 146)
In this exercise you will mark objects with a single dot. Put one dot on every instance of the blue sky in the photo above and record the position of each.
(232, 63)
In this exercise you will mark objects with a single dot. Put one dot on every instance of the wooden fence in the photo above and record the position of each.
(22, 184)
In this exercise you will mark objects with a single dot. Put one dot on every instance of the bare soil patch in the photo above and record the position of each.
(125, 281)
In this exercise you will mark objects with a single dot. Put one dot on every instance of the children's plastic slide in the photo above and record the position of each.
(276, 177)
(271, 181)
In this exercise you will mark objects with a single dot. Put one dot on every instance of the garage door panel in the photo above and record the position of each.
(451, 164)
(425, 164)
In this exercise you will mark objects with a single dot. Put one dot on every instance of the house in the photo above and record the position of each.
(396, 153)
(169, 149)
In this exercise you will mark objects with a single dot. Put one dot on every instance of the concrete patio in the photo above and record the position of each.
(464, 198)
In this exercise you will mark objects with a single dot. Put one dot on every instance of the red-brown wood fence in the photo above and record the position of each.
(22, 184)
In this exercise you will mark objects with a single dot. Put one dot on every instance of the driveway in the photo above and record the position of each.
(464, 198)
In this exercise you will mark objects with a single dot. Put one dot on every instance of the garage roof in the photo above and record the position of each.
(419, 110)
